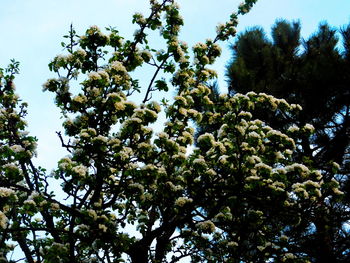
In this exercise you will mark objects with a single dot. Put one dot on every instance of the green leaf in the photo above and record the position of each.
(161, 85)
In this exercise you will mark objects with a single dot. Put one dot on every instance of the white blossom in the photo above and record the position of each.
(119, 105)
(3, 220)
(80, 99)
(181, 201)
(253, 134)
(92, 213)
(199, 161)
(6, 192)
(336, 165)
(17, 148)
(102, 227)
(207, 226)
(118, 66)
(55, 206)
(245, 114)
(293, 128)
(81, 170)
(309, 127)
(94, 76)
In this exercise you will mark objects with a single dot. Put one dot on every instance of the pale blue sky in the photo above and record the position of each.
(31, 32)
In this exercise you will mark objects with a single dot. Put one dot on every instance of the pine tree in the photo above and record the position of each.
(313, 73)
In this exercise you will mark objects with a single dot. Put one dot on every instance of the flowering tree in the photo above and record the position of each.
(133, 195)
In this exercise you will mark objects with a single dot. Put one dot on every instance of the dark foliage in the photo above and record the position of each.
(314, 73)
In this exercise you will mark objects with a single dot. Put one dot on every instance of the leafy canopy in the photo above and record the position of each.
(134, 195)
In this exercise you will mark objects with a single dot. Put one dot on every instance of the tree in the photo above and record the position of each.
(314, 75)
(132, 195)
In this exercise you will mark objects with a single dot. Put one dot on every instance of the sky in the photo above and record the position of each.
(32, 30)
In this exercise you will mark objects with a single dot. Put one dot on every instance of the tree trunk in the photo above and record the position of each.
(324, 252)
(139, 253)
